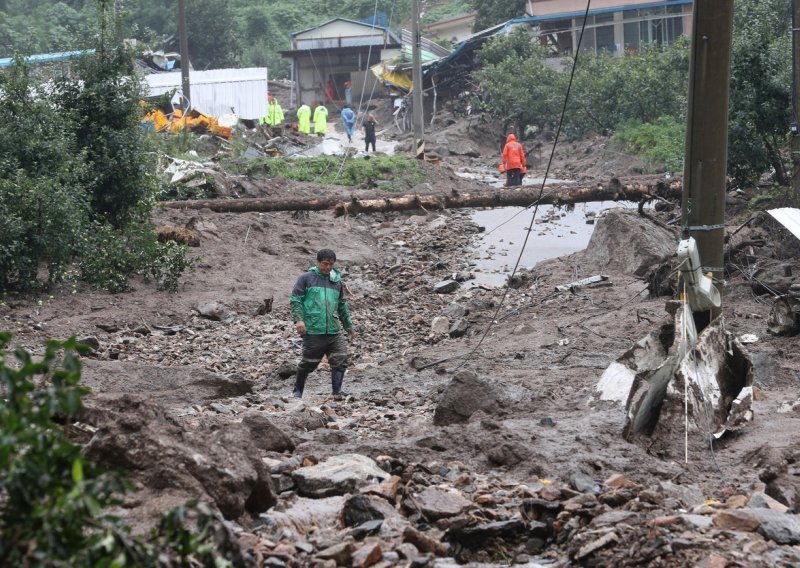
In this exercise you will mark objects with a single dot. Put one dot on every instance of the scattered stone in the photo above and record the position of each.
(425, 542)
(783, 528)
(454, 311)
(440, 325)
(446, 287)
(338, 475)
(763, 501)
(736, 520)
(91, 341)
(584, 483)
(438, 503)
(689, 495)
(367, 555)
(211, 310)
(360, 509)
(459, 328)
(265, 435)
(340, 553)
(221, 408)
(597, 544)
(287, 369)
(475, 536)
(367, 528)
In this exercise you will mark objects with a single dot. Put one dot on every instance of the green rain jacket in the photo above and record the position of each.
(319, 301)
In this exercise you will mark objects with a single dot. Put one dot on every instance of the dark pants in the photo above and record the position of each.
(514, 177)
(370, 140)
(334, 347)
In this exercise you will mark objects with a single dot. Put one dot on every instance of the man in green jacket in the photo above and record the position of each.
(320, 313)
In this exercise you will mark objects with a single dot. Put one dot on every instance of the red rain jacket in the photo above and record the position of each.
(513, 154)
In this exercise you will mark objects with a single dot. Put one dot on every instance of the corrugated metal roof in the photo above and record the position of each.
(789, 217)
(217, 91)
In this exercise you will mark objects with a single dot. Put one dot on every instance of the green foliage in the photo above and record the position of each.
(642, 86)
(519, 85)
(111, 257)
(661, 142)
(43, 211)
(53, 499)
(445, 10)
(103, 99)
(493, 12)
(760, 95)
(399, 170)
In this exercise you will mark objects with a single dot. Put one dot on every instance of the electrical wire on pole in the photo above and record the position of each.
(416, 79)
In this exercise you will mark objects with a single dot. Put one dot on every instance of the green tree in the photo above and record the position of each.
(520, 88)
(493, 12)
(760, 93)
(43, 199)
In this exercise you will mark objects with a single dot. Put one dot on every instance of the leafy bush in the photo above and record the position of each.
(53, 499)
(111, 257)
(661, 142)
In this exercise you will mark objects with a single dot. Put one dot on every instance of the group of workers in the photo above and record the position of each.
(514, 163)
(319, 117)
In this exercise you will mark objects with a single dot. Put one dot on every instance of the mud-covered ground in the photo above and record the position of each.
(503, 427)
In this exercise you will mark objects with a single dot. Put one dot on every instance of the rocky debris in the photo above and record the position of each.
(446, 286)
(265, 435)
(136, 435)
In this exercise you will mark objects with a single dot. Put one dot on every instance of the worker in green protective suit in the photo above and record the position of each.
(274, 113)
(321, 313)
(320, 120)
(304, 119)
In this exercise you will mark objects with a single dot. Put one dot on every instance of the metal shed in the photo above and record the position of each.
(218, 91)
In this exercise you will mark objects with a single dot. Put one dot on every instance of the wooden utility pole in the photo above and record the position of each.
(184, 45)
(795, 97)
(416, 79)
(705, 164)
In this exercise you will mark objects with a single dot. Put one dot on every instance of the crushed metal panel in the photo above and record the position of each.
(789, 217)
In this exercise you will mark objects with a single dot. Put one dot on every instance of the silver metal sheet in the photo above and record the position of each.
(789, 217)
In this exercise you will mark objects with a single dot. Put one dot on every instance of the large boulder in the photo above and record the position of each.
(624, 241)
(337, 475)
(137, 435)
(465, 394)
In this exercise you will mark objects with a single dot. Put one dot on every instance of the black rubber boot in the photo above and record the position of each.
(299, 384)
(337, 378)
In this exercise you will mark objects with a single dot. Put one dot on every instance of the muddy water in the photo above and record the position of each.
(555, 232)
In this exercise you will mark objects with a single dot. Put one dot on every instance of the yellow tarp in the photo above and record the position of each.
(194, 122)
(399, 79)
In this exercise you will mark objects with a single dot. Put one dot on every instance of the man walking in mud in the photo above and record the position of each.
(320, 313)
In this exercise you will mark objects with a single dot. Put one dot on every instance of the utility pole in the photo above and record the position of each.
(795, 97)
(705, 163)
(184, 46)
(416, 79)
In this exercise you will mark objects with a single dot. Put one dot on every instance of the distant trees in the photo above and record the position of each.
(493, 12)
(222, 33)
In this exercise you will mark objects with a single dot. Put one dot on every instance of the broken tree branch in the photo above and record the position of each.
(557, 196)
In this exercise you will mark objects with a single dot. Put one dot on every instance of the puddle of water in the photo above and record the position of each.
(495, 179)
(555, 233)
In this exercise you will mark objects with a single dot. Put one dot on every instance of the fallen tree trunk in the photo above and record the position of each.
(562, 195)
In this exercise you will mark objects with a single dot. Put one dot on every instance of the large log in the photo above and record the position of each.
(562, 195)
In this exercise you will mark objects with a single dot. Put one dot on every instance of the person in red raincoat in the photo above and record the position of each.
(514, 163)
